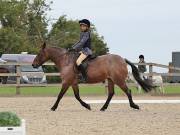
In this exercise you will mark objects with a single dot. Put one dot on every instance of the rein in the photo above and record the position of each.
(63, 54)
(67, 52)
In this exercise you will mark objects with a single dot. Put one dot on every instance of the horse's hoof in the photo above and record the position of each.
(53, 109)
(88, 107)
(103, 110)
(135, 106)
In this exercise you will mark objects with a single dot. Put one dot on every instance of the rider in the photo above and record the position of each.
(83, 46)
(142, 68)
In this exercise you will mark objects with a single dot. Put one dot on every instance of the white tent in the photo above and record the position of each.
(1, 60)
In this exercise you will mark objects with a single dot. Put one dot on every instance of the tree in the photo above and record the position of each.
(65, 33)
(23, 25)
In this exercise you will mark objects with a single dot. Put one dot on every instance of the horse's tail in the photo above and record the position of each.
(146, 87)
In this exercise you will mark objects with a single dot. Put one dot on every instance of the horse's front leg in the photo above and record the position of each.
(64, 88)
(77, 96)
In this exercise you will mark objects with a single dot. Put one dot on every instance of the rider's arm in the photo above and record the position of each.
(79, 45)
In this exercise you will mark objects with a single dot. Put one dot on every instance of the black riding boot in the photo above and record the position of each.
(83, 72)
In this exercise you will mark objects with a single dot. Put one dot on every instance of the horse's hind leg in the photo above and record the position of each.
(76, 94)
(127, 91)
(110, 94)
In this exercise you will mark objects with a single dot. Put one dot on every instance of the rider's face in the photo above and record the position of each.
(84, 27)
(141, 59)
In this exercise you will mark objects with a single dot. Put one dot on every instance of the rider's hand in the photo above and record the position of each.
(70, 49)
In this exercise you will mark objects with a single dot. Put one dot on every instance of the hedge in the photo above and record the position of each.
(9, 119)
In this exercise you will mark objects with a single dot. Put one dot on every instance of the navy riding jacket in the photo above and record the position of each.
(84, 44)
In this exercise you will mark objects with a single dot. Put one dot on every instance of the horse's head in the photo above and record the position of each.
(41, 58)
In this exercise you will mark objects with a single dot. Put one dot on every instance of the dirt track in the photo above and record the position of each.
(72, 119)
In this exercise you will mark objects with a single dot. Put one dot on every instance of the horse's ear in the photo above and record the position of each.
(44, 45)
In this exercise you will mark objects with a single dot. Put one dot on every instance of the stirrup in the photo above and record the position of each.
(83, 73)
(84, 77)
(83, 80)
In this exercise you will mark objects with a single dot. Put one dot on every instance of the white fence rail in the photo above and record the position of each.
(19, 74)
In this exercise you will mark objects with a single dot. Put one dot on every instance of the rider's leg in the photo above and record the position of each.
(81, 67)
(80, 59)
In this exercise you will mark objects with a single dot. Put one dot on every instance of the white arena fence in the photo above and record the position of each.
(18, 74)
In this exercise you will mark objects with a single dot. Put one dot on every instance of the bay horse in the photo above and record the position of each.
(111, 67)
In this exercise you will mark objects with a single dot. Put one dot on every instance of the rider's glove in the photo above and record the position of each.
(70, 50)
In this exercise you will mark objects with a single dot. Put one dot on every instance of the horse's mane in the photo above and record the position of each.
(59, 48)
(72, 55)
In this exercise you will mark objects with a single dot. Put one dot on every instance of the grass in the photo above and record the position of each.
(84, 90)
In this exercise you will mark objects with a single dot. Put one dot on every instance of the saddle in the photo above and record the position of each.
(90, 58)
(85, 63)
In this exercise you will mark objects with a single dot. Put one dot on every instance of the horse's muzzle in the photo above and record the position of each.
(35, 66)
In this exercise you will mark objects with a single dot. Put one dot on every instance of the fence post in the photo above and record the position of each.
(150, 71)
(18, 80)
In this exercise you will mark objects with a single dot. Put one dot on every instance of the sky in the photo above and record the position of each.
(130, 27)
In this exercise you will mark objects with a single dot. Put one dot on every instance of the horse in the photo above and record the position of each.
(106, 67)
(155, 80)
(158, 81)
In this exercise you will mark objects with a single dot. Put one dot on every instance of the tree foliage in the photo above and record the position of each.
(23, 27)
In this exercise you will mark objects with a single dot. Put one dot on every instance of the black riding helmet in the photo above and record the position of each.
(141, 56)
(85, 22)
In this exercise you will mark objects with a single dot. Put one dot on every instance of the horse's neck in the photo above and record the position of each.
(55, 55)
(59, 57)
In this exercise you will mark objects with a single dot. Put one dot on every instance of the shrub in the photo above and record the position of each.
(9, 119)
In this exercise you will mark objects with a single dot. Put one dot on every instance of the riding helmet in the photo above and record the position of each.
(141, 56)
(85, 22)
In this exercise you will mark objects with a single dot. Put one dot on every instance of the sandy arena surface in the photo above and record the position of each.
(72, 119)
